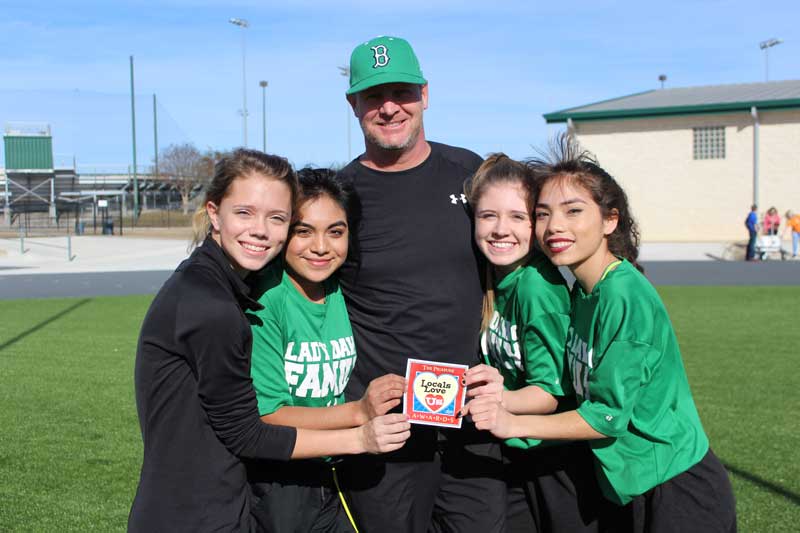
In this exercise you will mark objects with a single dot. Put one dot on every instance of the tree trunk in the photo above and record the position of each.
(185, 202)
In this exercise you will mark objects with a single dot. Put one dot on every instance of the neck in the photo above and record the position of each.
(311, 290)
(378, 158)
(590, 271)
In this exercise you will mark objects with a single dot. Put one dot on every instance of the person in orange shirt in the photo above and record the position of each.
(793, 223)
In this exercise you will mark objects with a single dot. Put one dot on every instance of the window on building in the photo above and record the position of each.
(709, 142)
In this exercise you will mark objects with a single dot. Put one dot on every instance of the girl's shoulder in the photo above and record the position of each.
(540, 284)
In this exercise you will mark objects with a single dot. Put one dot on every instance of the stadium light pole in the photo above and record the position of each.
(263, 84)
(345, 71)
(243, 24)
(766, 45)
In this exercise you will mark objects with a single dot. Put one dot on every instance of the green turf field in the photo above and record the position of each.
(70, 448)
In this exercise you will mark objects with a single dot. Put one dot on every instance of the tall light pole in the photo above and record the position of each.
(263, 84)
(345, 71)
(243, 24)
(766, 45)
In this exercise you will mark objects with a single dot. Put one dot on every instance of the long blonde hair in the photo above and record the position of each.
(241, 163)
(498, 168)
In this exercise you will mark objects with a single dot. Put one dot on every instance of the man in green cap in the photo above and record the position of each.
(413, 291)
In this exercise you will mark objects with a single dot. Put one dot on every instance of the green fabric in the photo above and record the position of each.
(303, 352)
(526, 336)
(631, 385)
(383, 60)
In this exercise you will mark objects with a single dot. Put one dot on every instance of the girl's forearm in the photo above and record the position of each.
(562, 426)
(347, 415)
(317, 443)
(530, 400)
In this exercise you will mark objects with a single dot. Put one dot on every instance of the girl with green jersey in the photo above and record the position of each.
(524, 332)
(634, 406)
(302, 357)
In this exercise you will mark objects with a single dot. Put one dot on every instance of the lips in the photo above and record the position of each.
(253, 248)
(318, 263)
(558, 245)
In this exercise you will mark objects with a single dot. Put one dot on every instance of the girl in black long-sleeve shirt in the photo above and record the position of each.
(197, 408)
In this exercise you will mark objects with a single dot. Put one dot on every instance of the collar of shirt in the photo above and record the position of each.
(212, 251)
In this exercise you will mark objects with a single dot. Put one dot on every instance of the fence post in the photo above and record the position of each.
(21, 237)
(69, 247)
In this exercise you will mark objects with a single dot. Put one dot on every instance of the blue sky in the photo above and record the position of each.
(493, 69)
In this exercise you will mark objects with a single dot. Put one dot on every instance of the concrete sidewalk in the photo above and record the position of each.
(48, 255)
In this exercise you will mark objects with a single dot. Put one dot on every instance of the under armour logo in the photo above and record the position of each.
(455, 199)
(381, 54)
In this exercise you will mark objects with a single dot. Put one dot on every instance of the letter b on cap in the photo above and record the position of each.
(381, 55)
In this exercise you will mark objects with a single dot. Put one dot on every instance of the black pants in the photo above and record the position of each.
(698, 501)
(441, 480)
(554, 489)
(296, 497)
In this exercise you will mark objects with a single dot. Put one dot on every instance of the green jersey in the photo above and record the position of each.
(303, 352)
(630, 385)
(526, 336)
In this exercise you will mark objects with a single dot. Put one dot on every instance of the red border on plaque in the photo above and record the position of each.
(434, 393)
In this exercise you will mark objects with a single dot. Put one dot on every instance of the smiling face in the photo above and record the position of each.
(571, 229)
(317, 246)
(391, 115)
(503, 227)
(251, 221)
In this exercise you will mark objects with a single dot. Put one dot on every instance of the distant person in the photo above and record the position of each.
(197, 408)
(793, 223)
(772, 221)
(751, 223)
(634, 404)
(415, 292)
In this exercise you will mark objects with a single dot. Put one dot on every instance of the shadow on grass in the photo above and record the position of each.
(44, 323)
(764, 484)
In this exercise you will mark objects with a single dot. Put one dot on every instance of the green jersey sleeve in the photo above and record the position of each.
(543, 338)
(614, 385)
(267, 366)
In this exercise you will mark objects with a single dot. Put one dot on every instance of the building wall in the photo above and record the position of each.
(677, 198)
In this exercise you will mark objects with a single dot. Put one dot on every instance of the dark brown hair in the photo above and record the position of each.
(567, 160)
(242, 163)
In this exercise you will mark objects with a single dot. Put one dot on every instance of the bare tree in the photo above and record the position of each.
(186, 167)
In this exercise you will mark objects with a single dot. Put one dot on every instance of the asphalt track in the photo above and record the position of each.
(91, 284)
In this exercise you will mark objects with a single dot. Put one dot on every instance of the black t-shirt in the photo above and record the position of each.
(196, 403)
(414, 291)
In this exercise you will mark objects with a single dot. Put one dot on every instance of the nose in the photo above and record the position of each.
(319, 244)
(500, 228)
(388, 106)
(259, 228)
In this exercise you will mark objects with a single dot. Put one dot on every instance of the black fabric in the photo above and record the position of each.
(196, 404)
(414, 291)
(698, 501)
(442, 481)
(554, 489)
(300, 496)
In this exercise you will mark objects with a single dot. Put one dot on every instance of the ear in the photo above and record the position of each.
(351, 99)
(213, 214)
(424, 94)
(610, 222)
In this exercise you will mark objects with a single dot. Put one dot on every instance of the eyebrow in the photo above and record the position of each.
(565, 202)
(333, 225)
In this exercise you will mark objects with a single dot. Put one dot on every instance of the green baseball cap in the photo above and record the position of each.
(383, 60)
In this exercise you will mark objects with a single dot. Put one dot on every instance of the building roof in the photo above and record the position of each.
(688, 101)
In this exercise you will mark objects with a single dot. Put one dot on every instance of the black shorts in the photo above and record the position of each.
(296, 496)
(441, 480)
(553, 488)
(699, 500)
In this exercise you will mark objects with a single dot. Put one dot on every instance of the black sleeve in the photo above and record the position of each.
(217, 338)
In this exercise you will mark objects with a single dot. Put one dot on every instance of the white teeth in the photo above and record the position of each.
(253, 248)
(502, 244)
(559, 245)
